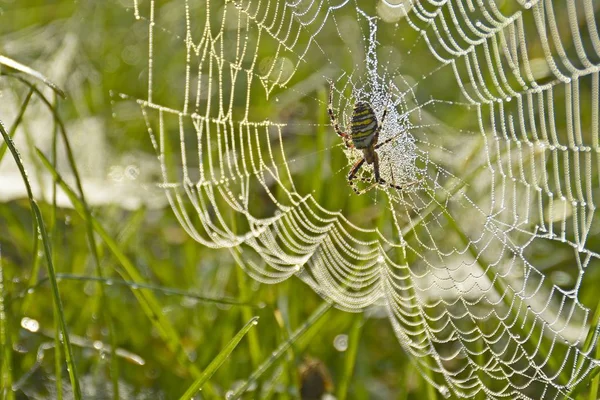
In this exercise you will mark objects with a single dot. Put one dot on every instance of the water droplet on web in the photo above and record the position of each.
(444, 391)
(109, 282)
(30, 324)
(30, 290)
(380, 259)
(132, 172)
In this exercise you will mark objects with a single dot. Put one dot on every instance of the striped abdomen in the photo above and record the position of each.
(363, 126)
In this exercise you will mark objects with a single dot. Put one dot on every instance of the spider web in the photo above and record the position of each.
(493, 134)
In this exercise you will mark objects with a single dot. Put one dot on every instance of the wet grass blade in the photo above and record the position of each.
(17, 66)
(51, 271)
(230, 301)
(6, 378)
(218, 360)
(15, 125)
(354, 340)
(149, 303)
(87, 217)
(281, 350)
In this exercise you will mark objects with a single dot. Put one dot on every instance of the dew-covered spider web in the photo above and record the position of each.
(491, 132)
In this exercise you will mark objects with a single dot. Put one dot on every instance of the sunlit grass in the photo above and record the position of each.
(126, 302)
(138, 312)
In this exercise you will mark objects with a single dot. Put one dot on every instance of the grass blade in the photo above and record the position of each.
(15, 125)
(88, 217)
(230, 301)
(218, 361)
(6, 378)
(51, 271)
(9, 62)
(354, 340)
(314, 317)
(149, 303)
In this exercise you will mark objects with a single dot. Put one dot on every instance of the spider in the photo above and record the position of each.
(364, 135)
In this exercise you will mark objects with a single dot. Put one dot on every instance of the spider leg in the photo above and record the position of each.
(376, 168)
(393, 184)
(355, 168)
(385, 142)
(334, 121)
(352, 176)
(382, 181)
(380, 125)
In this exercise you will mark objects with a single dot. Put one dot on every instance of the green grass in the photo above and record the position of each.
(128, 304)
(100, 274)
(40, 226)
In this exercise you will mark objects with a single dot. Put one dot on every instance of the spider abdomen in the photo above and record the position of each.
(363, 125)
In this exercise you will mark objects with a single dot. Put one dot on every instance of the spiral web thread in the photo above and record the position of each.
(457, 256)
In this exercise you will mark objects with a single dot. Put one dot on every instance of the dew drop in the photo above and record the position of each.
(444, 391)
(132, 172)
(30, 324)
(340, 342)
